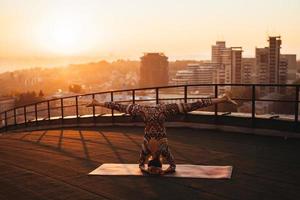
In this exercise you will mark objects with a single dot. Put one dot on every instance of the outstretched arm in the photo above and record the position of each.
(174, 108)
(132, 109)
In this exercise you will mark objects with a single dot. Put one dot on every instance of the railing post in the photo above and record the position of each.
(253, 105)
(157, 95)
(25, 116)
(15, 116)
(62, 108)
(35, 113)
(112, 110)
(216, 96)
(76, 105)
(185, 93)
(94, 110)
(5, 118)
(48, 108)
(297, 104)
(133, 96)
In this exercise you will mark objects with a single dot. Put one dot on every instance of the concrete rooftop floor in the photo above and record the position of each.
(53, 164)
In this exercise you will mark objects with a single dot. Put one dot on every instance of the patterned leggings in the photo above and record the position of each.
(164, 151)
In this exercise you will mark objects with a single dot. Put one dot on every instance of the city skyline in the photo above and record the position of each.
(120, 30)
(59, 61)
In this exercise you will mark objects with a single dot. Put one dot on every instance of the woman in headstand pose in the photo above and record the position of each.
(155, 139)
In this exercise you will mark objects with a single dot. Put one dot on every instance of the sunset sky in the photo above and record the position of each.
(111, 29)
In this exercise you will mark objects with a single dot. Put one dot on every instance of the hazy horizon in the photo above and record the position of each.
(49, 33)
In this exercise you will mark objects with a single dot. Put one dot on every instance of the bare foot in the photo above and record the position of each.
(143, 168)
(169, 170)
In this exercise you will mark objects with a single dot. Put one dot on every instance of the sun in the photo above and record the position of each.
(64, 35)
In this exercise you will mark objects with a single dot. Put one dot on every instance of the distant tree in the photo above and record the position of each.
(32, 94)
(75, 88)
(41, 94)
(27, 98)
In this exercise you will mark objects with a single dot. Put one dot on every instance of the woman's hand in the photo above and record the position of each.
(94, 103)
(169, 170)
(143, 168)
(227, 98)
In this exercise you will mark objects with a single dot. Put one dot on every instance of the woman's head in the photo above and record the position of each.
(155, 163)
(155, 166)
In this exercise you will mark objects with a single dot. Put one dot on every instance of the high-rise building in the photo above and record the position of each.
(217, 59)
(217, 51)
(291, 61)
(262, 65)
(228, 62)
(282, 74)
(248, 70)
(196, 74)
(262, 68)
(271, 67)
(236, 64)
(274, 59)
(154, 70)
(226, 69)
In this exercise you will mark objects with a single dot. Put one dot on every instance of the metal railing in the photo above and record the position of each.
(74, 106)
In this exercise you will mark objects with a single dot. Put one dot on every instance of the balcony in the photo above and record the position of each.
(53, 162)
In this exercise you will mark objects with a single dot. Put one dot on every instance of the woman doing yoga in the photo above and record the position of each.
(155, 144)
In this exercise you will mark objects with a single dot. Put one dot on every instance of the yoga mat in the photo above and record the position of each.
(182, 171)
